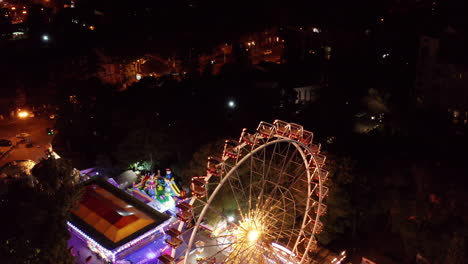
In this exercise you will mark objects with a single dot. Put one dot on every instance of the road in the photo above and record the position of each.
(257, 54)
(36, 127)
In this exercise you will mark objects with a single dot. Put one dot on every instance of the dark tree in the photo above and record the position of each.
(36, 227)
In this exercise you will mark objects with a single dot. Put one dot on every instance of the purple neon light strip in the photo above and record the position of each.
(125, 246)
(106, 251)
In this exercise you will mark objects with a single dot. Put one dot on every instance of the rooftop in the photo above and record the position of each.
(112, 217)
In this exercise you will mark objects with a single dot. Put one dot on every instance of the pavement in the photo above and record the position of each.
(81, 251)
(36, 127)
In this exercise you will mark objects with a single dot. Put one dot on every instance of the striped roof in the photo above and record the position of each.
(110, 215)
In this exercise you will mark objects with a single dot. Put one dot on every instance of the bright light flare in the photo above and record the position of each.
(251, 229)
(23, 114)
(253, 235)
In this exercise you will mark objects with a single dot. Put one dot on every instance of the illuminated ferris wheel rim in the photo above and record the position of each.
(309, 162)
(279, 139)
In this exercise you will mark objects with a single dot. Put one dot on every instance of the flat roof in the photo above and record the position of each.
(112, 217)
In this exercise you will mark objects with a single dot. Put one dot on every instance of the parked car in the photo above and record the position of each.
(5, 143)
(22, 135)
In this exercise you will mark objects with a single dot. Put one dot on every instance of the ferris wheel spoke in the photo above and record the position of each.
(225, 248)
(255, 255)
(281, 171)
(267, 172)
(240, 253)
(238, 187)
(257, 168)
(221, 215)
(287, 222)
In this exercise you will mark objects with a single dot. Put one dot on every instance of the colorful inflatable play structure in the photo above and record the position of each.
(157, 191)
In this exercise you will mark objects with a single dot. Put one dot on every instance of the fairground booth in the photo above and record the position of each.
(114, 224)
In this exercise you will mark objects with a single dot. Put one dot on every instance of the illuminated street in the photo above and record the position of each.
(36, 127)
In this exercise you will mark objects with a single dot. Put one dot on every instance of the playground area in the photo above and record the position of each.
(159, 192)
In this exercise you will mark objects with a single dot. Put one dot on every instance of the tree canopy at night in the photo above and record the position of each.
(36, 226)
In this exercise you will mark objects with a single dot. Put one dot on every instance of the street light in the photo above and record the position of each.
(232, 104)
(45, 38)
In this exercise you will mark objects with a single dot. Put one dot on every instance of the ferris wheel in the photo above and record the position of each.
(260, 201)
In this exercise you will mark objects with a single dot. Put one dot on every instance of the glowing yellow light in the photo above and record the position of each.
(13, 8)
(23, 114)
(91, 27)
(253, 235)
(251, 228)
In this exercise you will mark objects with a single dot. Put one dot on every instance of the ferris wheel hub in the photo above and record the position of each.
(253, 235)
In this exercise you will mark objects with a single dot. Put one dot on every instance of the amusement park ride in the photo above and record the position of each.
(157, 191)
(269, 186)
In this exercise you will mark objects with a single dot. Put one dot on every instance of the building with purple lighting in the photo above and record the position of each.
(114, 224)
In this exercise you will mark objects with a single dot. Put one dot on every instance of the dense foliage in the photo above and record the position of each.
(34, 223)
